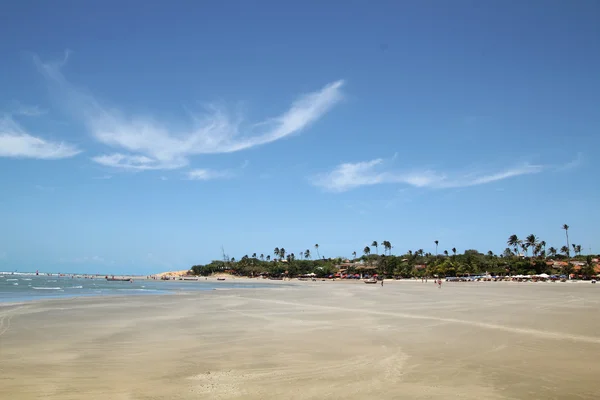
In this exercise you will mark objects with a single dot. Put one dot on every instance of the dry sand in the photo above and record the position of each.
(314, 341)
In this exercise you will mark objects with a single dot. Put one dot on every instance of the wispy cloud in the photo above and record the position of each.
(27, 110)
(202, 174)
(16, 142)
(575, 163)
(348, 176)
(147, 144)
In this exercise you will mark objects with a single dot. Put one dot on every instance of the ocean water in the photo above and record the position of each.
(19, 287)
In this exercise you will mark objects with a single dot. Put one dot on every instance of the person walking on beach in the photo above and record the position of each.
(439, 282)
(381, 282)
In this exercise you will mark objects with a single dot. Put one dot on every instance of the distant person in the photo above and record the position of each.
(382, 282)
(439, 282)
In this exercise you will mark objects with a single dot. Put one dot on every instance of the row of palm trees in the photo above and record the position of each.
(387, 248)
(538, 247)
(280, 253)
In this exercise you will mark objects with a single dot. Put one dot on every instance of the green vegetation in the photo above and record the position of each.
(527, 257)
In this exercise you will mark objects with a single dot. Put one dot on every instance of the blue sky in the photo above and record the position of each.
(140, 137)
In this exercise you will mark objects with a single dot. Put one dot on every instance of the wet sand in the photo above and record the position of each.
(405, 340)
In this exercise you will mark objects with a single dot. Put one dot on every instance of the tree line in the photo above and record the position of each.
(515, 259)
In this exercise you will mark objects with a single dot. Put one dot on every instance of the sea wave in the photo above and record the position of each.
(16, 284)
(12, 280)
(75, 287)
(46, 288)
(25, 279)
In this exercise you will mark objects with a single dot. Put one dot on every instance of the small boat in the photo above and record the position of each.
(220, 279)
(371, 281)
(119, 279)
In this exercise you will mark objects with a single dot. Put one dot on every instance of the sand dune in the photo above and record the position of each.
(314, 341)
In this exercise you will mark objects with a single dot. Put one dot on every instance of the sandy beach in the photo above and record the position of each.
(316, 340)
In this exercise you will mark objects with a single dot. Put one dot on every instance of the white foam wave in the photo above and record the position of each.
(16, 284)
(46, 288)
(75, 287)
(25, 279)
(12, 279)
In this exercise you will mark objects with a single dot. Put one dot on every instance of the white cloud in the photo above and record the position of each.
(352, 175)
(134, 162)
(208, 174)
(151, 144)
(17, 143)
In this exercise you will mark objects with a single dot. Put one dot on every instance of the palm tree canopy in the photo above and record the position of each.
(565, 227)
(531, 240)
(513, 241)
(374, 244)
(367, 250)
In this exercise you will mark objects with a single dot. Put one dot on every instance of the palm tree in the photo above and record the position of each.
(281, 253)
(514, 241)
(531, 241)
(490, 254)
(566, 228)
(525, 247)
(262, 257)
(454, 250)
(565, 250)
(317, 248)
(367, 250)
(354, 255)
(268, 257)
(307, 254)
(578, 249)
(276, 252)
(253, 255)
(376, 245)
(420, 252)
(507, 252)
(436, 246)
(552, 251)
(543, 244)
(538, 249)
(387, 246)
